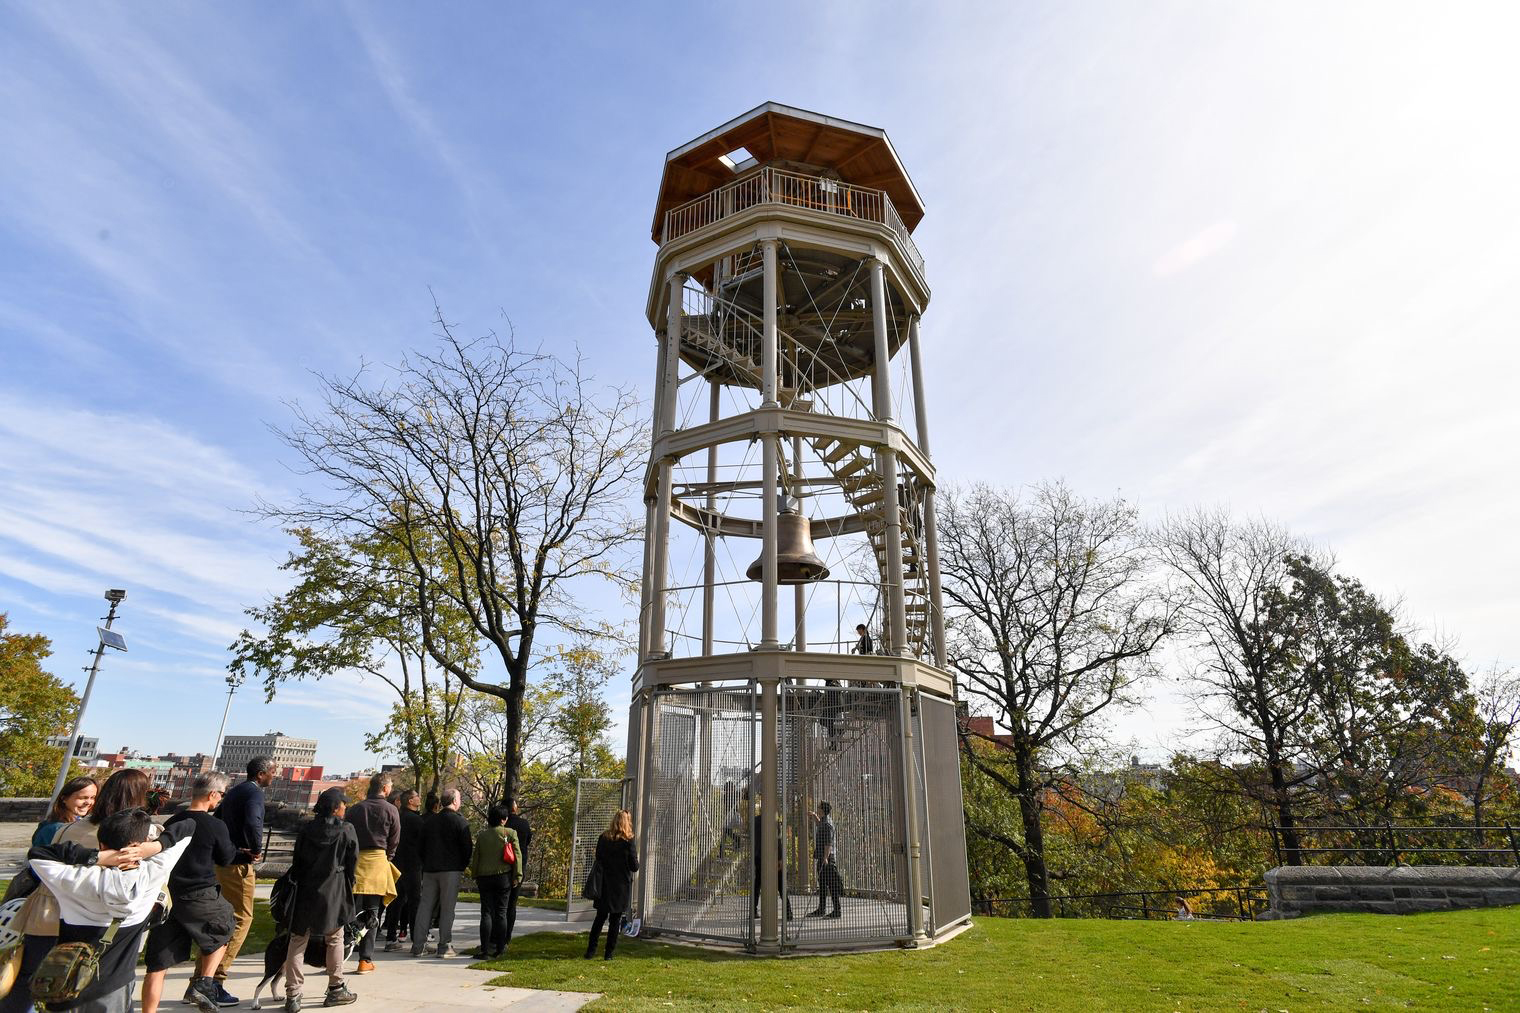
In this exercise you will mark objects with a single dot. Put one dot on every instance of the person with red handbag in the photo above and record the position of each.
(498, 868)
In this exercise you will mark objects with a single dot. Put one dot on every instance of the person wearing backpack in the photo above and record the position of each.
(323, 867)
(498, 868)
(102, 917)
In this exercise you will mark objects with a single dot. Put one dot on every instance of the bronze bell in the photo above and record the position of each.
(796, 562)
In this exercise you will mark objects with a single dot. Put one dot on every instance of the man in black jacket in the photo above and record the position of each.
(403, 910)
(447, 845)
(518, 823)
(242, 809)
(378, 826)
(200, 914)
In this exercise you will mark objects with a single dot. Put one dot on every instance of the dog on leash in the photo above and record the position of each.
(316, 954)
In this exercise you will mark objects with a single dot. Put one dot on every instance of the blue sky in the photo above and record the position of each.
(1262, 255)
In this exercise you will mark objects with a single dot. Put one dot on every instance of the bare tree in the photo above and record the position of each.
(501, 476)
(1498, 722)
(1232, 576)
(1053, 621)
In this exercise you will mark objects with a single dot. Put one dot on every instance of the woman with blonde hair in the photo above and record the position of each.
(616, 861)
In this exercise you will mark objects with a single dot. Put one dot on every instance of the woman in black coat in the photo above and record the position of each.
(618, 861)
(322, 868)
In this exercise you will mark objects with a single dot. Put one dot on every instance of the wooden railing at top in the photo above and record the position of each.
(778, 186)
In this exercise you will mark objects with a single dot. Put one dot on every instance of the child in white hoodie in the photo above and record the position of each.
(91, 897)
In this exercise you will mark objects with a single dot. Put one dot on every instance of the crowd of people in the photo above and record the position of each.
(105, 883)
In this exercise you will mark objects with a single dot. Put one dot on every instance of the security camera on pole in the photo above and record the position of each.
(106, 638)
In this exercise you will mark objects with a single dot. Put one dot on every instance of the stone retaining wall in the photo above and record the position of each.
(22, 810)
(1315, 889)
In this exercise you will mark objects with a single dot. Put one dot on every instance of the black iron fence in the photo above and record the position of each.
(1220, 903)
(1391, 844)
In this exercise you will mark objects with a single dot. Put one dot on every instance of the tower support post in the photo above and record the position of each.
(912, 790)
(770, 872)
(931, 529)
(881, 388)
(768, 336)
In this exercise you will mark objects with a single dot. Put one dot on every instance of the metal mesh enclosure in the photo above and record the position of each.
(843, 745)
(843, 883)
(946, 827)
(698, 855)
(597, 800)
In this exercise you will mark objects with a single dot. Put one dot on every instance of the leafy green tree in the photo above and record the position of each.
(1387, 716)
(34, 706)
(349, 611)
(501, 477)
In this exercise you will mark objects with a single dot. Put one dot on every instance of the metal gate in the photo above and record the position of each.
(843, 745)
(945, 829)
(597, 800)
(698, 853)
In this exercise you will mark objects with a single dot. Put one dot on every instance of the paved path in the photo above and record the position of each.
(399, 983)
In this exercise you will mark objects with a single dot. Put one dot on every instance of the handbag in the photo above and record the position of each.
(508, 853)
(593, 888)
(69, 969)
(282, 899)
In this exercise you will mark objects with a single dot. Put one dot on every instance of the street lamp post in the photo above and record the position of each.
(221, 733)
(105, 637)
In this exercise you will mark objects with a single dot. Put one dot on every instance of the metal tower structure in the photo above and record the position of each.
(790, 496)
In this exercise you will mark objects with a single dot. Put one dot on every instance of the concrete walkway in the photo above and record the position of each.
(404, 983)
(399, 982)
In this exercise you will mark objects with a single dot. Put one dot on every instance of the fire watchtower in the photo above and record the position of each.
(790, 497)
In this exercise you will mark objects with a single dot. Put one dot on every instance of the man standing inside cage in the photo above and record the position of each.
(824, 859)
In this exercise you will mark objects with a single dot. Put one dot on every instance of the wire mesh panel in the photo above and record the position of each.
(698, 847)
(597, 800)
(845, 870)
(946, 830)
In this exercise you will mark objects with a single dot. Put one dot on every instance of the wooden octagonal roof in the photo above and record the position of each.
(773, 132)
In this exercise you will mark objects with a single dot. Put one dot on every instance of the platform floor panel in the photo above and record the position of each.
(726, 918)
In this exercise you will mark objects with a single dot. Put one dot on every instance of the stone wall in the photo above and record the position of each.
(1314, 889)
(22, 810)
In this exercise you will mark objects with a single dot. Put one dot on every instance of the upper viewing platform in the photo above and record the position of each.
(779, 155)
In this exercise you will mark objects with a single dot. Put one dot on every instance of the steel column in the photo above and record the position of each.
(644, 822)
(646, 592)
(910, 810)
(770, 910)
(886, 459)
(671, 350)
(709, 546)
(769, 338)
(920, 411)
(658, 560)
(799, 592)
(936, 598)
(881, 370)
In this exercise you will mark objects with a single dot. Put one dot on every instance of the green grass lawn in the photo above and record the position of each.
(1467, 960)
